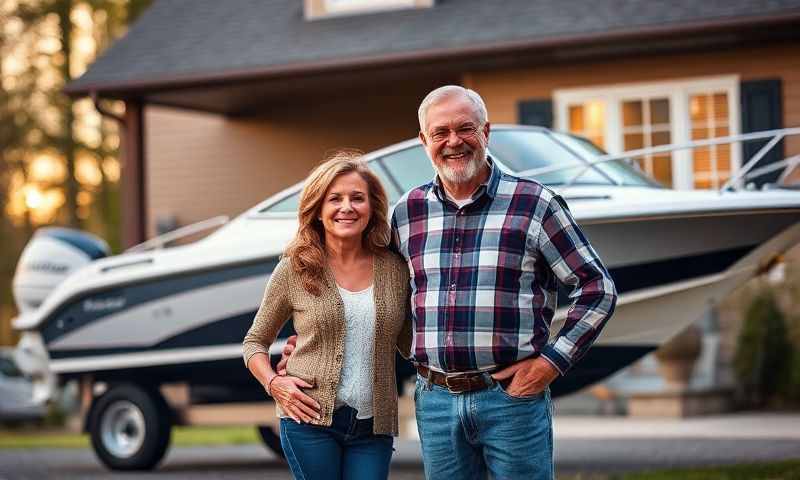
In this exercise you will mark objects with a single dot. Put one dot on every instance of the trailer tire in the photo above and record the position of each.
(130, 427)
(271, 440)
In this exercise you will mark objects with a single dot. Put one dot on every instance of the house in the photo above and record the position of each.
(229, 102)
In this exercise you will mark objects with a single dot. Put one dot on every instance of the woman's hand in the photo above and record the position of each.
(299, 406)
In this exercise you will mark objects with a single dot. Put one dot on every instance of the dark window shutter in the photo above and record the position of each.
(762, 109)
(536, 112)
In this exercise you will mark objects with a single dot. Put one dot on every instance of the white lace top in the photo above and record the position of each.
(355, 383)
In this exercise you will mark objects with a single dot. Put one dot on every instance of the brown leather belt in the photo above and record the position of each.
(457, 382)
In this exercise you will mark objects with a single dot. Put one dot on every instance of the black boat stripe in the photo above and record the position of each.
(663, 272)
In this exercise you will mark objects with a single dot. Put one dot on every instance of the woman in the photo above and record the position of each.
(348, 298)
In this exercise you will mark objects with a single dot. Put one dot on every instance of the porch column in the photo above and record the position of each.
(132, 176)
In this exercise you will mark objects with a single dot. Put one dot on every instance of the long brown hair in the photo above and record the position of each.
(307, 250)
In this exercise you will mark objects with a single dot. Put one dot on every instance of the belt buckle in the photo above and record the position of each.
(453, 389)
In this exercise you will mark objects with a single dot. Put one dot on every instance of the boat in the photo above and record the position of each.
(158, 315)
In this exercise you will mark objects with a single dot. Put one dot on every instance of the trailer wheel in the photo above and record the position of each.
(130, 428)
(271, 440)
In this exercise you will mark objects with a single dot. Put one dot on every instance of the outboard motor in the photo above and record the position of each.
(51, 256)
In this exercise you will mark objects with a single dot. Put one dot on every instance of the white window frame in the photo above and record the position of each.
(678, 92)
(347, 6)
(318, 9)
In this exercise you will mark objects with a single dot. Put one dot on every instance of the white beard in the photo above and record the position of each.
(470, 170)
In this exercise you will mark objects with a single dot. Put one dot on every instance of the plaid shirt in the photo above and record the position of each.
(484, 276)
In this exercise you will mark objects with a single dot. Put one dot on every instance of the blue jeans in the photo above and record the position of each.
(346, 450)
(466, 435)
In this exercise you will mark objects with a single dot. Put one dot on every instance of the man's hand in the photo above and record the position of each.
(528, 377)
(291, 342)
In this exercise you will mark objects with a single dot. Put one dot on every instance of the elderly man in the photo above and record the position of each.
(486, 250)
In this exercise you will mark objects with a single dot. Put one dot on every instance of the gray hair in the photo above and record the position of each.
(449, 91)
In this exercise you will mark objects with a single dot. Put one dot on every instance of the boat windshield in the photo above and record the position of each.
(522, 150)
(623, 172)
(517, 149)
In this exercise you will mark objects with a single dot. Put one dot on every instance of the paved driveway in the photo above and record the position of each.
(583, 445)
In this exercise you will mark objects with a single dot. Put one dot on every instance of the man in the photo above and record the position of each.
(486, 251)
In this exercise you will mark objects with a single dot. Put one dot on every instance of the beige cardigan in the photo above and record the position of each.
(320, 325)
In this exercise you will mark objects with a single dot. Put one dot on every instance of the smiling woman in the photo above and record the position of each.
(347, 295)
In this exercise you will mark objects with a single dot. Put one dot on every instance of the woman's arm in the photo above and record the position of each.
(284, 389)
(274, 311)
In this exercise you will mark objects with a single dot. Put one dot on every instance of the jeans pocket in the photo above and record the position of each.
(420, 385)
(499, 387)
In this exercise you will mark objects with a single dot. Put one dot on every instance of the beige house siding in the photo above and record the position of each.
(201, 165)
(503, 89)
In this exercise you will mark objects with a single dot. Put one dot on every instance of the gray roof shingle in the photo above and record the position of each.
(178, 39)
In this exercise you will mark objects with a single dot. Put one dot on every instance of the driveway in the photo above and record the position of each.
(586, 445)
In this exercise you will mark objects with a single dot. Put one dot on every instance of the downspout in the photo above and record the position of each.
(132, 175)
(104, 111)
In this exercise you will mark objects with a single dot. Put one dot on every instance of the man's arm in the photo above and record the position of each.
(574, 262)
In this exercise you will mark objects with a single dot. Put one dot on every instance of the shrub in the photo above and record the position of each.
(763, 353)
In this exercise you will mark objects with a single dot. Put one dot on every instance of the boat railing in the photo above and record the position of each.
(738, 180)
(162, 240)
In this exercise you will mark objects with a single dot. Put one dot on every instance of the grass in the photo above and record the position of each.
(181, 436)
(786, 470)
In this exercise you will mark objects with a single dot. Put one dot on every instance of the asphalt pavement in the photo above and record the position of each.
(585, 445)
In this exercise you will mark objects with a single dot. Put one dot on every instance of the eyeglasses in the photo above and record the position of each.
(463, 132)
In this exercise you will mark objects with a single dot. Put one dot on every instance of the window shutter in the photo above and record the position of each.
(536, 112)
(762, 110)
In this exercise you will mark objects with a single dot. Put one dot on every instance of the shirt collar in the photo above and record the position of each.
(489, 187)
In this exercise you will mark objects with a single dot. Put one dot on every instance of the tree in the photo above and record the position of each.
(44, 44)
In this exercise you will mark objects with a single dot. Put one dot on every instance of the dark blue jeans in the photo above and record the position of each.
(347, 450)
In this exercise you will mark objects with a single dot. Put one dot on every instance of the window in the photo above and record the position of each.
(8, 368)
(628, 117)
(391, 186)
(335, 6)
(326, 8)
(645, 124)
(710, 118)
(291, 204)
(522, 150)
(408, 168)
(587, 120)
(620, 171)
